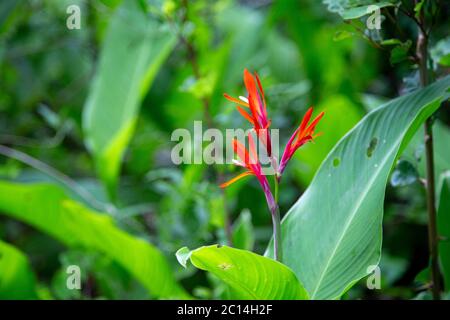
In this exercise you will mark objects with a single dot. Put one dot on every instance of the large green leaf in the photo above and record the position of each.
(134, 49)
(17, 280)
(47, 208)
(443, 220)
(249, 276)
(333, 233)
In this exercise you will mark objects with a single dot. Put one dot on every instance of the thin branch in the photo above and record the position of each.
(373, 43)
(57, 175)
(433, 239)
(35, 143)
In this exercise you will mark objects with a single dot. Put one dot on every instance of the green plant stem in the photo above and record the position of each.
(433, 239)
(278, 252)
(276, 183)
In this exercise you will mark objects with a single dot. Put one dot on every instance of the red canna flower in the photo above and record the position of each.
(303, 134)
(250, 161)
(256, 103)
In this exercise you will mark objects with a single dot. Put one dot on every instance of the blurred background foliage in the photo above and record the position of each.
(92, 111)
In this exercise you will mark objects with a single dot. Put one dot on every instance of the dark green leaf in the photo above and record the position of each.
(48, 209)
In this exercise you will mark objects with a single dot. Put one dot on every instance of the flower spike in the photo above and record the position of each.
(303, 134)
(256, 103)
(256, 114)
(249, 160)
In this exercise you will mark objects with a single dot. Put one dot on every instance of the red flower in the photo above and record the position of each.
(303, 134)
(250, 161)
(256, 103)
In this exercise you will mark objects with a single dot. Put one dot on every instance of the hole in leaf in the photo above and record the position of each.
(336, 162)
(224, 266)
(372, 146)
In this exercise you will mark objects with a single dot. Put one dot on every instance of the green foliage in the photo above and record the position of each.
(133, 50)
(248, 275)
(17, 280)
(441, 52)
(93, 107)
(351, 221)
(400, 52)
(48, 209)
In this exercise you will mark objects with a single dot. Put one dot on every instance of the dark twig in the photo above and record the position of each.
(422, 54)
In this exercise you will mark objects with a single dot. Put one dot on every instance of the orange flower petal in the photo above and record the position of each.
(253, 95)
(250, 83)
(260, 86)
(241, 152)
(254, 113)
(306, 119)
(245, 115)
(231, 181)
(313, 124)
(303, 132)
(262, 93)
(237, 101)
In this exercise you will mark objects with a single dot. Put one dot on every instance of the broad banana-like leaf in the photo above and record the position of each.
(47, 208)
(135, 47)
(332, 236)
(249, 275)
